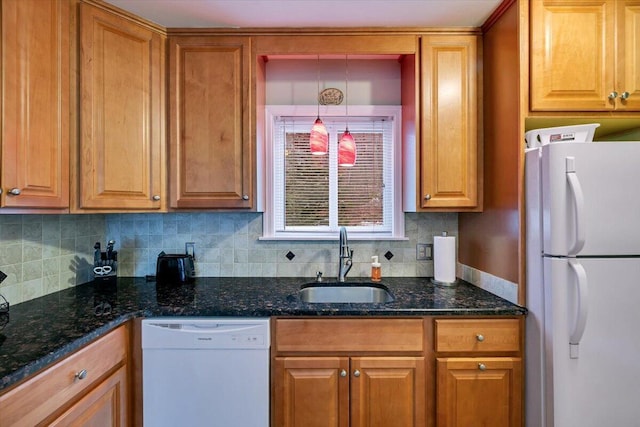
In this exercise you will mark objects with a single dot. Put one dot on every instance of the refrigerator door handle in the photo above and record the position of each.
(578, 200)
(582, 302)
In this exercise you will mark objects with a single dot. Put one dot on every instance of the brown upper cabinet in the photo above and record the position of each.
(35, 99)
(448, 145)
(211, 149)
(584, 55)
(305, 43)
(121, 153)
(85, 118)
(440, 76)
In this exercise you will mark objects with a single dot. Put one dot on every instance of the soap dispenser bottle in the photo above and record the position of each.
(376, 269)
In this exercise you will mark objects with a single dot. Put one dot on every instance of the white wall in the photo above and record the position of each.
(295, 81)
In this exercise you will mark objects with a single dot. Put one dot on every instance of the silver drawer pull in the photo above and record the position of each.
(356, 373)
(343, 373)
(480, 337)
(482, 366)
(81, 375)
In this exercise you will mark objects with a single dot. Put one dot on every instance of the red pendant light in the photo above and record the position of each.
(347, 150)
(319, 138)
(346, 144)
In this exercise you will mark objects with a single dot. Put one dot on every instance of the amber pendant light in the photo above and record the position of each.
(347, 145)
(319, 137)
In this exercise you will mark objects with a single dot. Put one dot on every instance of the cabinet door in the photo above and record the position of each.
(105, 405)
(479, 392)
(44, 395)
(121, 113)
(628, 71)
(449, 148)
(211, 149)
(35, 104)
(572, 55)
(310, 392)
(388, 391)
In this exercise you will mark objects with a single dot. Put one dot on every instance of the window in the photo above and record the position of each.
(310, 197)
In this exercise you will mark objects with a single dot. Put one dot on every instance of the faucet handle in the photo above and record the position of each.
(318, 276)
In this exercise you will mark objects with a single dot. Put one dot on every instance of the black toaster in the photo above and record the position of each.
(174, 268)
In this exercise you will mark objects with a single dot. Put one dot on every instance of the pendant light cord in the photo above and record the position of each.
(346, 88)
(318, 82)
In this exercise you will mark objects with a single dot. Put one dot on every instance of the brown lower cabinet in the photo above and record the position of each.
(102, 406)
(356, 391)
(478, 372)
(326, 371)
(479, 391)
(90, 387)
(400, 372)
(348, 372)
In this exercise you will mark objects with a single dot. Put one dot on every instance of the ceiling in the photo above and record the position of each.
(311, 13)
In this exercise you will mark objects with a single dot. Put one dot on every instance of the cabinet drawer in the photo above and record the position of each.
(352, 335)
(105, 405)
(477, 335)
(42, 395)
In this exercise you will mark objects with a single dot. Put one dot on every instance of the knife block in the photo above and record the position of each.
(110, 278)
(107, 279)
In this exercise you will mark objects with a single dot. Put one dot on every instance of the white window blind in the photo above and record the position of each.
(312, 196)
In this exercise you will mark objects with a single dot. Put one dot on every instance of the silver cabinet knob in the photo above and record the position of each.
(613, 95)
(245, 197)
(625, 95)
(343, 373)
(482, 366)
(356, 373)
(156, 197)
(15, 191)
(81, 375)
(480, 337)
(427, 196)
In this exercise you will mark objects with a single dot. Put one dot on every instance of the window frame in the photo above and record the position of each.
(274, 111)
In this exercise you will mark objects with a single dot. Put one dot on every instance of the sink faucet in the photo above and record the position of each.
(346, 256)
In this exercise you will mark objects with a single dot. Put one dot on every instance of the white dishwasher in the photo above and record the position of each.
(205, 372)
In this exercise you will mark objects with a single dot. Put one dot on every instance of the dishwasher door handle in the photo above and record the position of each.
(217, 327)
(207, 327)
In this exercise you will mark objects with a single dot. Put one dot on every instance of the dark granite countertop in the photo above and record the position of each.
(44, 330)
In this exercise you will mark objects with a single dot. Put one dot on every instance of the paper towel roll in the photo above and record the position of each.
(444, 259)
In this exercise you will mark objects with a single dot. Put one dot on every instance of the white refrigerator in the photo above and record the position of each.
(583, 284)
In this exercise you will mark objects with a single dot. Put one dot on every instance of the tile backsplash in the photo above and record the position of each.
(496, 285)
(228, 245)
(42, 254)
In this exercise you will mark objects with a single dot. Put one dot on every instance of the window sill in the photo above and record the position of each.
(352, 238)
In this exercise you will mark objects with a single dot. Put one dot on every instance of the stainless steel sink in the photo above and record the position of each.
(347, 292)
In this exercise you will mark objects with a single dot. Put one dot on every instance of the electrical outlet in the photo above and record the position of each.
(190, 249)
(424, 252)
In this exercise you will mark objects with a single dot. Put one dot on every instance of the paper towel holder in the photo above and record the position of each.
(441, 282)
(445, 284)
